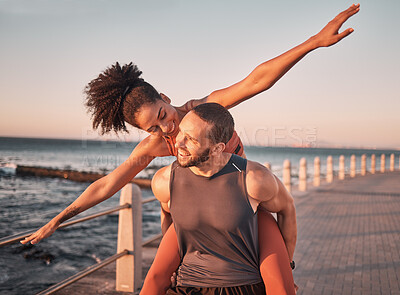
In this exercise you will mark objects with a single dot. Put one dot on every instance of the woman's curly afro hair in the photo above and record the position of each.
(115, 96)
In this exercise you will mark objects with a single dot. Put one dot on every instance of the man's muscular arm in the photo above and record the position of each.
(160, 187)
(264, 187)
(166, 219)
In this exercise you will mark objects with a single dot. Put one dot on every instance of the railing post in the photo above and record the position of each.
(363, 165)
(392, 162)
(303, 175)
(287, 181)
(329, 169)
(341, 168)
(383, 163)
(129, 267)
(317, 171)
(353, 166)
(373, 163)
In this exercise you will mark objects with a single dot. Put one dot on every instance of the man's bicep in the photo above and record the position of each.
(166, 219)
(273, 205)
(160, 185)
(260, 182)
(280, 201)
(165, 208)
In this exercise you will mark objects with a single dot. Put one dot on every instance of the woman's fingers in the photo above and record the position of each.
(345, 33)
(330, 35)
(35, 241)
(34, 238)
(345, 15)
(29, 239)
(39, 235)
(342, 17)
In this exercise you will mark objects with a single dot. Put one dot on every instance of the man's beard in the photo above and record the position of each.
(197, 160)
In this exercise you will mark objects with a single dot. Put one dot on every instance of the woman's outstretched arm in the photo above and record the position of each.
(105, 187)
(268, 73)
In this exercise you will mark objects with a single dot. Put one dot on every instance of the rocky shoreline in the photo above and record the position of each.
(79, 176)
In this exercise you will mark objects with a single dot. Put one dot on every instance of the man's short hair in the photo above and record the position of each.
(221, 120)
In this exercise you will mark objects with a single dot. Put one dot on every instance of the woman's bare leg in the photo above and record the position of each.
(165, 263)
(274, 259)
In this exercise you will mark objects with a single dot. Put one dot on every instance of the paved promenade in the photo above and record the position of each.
(349, 237)
(348, 240)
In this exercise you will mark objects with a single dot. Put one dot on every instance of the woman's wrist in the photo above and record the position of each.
(313, 43)
(55, 222)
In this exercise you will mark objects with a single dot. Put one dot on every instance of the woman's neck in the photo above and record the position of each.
(181, 114)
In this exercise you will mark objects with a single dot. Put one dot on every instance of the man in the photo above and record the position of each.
(213, 198)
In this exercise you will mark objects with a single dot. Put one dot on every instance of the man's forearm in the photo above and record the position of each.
(288, 227)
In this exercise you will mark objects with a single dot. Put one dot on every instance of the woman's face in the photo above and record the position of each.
(160, 119)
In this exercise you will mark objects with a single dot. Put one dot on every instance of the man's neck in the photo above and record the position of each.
(212, 165)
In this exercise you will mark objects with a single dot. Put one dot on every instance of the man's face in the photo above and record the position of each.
(191, 142)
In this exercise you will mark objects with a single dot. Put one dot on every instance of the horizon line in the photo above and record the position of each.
(324, 146)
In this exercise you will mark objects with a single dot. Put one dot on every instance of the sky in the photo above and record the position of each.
(347, 95)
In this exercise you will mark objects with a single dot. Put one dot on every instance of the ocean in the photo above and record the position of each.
(30, 202)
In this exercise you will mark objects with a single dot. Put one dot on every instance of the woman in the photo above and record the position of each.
(119, 96)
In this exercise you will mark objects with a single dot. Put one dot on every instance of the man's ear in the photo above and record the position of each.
(165, 98)
(218, 148)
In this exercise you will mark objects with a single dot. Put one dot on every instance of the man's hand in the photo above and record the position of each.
(330, 35)
(44, 232)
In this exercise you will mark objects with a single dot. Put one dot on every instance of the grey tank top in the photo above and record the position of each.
(216, 227)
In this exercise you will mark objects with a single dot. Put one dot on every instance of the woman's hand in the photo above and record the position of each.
(330, 35)
(44, 232)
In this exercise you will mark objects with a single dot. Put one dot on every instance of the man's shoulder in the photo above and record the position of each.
(260, 181)
(163, 174)
(256, 169)
(160, 184)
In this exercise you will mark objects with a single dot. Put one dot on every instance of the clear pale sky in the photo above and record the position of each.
(345, 95)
